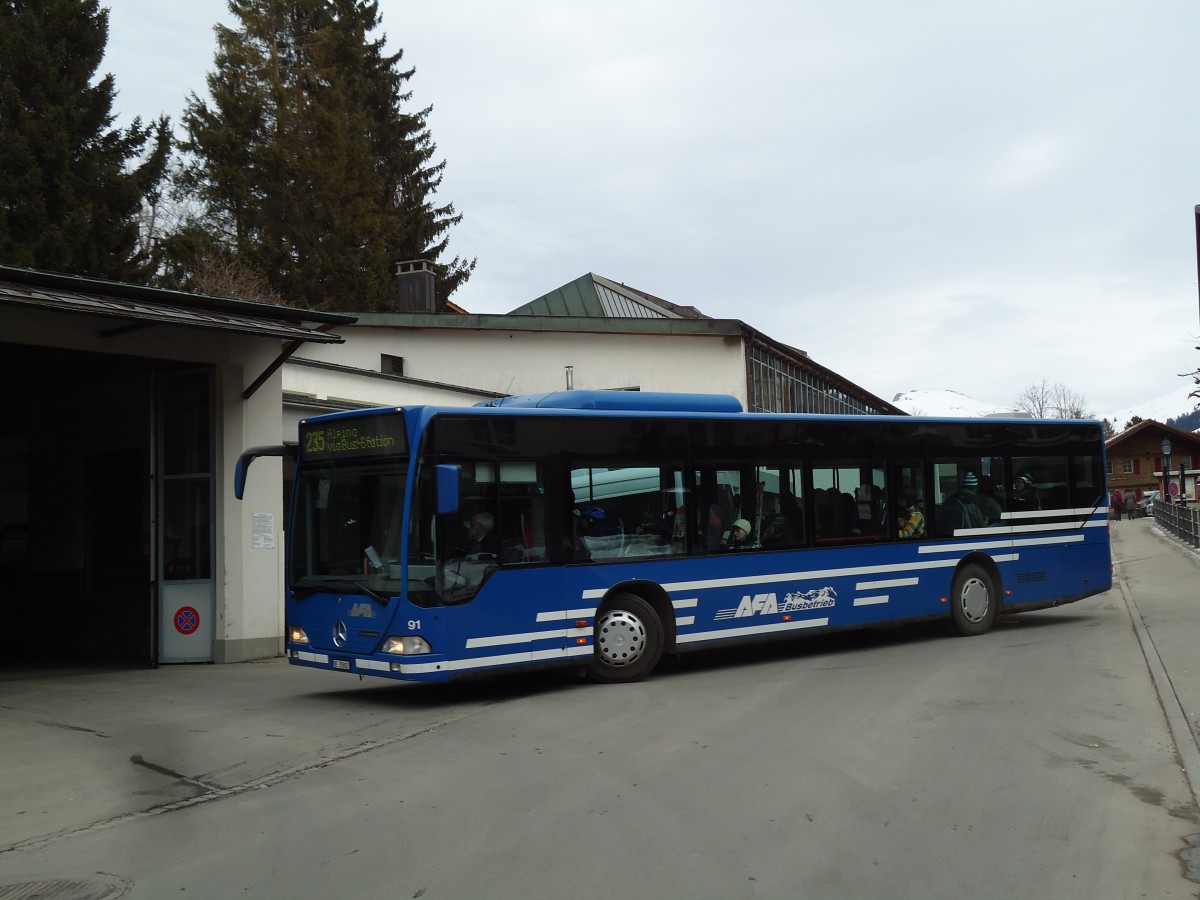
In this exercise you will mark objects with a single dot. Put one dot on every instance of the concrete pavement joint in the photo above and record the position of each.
(264, 781)
(63, 725)
(202, 786)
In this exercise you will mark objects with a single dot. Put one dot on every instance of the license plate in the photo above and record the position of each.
(343, 664)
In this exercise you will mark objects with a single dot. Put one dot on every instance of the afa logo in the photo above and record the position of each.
(768, 604)
(362, 610)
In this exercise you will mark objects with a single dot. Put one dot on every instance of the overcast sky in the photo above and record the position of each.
(959, 194)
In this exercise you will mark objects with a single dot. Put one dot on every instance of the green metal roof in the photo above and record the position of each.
(592, 296)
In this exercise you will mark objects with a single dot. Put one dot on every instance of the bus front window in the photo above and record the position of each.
(347, 527)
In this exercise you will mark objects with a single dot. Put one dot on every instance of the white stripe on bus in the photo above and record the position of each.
(458, 665)
(750, 630)
(1041, 513)
(562, 614)
(499, 640)
(1001, 544)
(994, 530)
(891, 582)
(870, 601)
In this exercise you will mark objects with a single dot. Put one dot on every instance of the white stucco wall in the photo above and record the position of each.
(517, 362)
(250, 578)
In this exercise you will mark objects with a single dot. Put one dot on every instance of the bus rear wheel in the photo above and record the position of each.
(972, 601)
(628, 640)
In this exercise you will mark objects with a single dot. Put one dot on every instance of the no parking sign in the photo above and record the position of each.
(187, 620)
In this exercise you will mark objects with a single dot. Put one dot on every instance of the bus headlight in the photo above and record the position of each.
(296, 635)
(406, 645)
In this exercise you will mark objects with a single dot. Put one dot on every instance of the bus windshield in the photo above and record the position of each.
(348, 526)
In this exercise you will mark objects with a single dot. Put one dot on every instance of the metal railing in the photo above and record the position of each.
(1182, 521)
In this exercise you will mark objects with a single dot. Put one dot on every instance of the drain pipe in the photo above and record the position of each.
(570, 370)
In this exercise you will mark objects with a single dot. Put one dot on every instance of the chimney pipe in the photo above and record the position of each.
(415, 286)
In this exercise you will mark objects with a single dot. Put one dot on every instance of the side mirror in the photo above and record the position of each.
(248, 456)
(448, 477)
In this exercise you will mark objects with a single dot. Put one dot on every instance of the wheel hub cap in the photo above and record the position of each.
(620, 637)
(975, 600)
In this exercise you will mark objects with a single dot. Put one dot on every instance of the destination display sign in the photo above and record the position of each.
(358, 436)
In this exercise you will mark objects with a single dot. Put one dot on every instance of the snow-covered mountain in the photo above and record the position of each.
(947, 403)
(1168, 406)
(951, 403)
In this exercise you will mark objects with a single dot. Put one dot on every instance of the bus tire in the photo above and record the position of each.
(972, 601)
(627, 640)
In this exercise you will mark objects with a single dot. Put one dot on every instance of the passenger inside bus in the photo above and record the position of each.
(960, 510)
(989, 502)
(870, 511)
(597, 534)
(981, 495)
(793, 513)
(911, 523)
(721, 516)
(1025, 496)
(778, 533)
(738, 537)
(481, 537)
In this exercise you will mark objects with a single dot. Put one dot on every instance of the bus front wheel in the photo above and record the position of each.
(972, 601)
(628, 640)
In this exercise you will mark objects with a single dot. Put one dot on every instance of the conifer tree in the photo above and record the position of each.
(70, 191)
(308, 166)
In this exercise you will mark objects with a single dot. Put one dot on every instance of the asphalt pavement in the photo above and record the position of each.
(85, 749)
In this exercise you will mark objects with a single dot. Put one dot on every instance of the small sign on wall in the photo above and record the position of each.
(187, 620)
(263, 536)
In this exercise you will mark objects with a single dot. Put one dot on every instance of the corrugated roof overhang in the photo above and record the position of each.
(133, 307)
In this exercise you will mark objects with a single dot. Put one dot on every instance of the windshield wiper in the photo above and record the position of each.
(337, 584)
(382, 600)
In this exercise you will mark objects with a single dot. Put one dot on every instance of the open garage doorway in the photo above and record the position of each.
(78, 542)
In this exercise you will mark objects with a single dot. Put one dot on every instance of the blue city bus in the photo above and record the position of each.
(602, 529)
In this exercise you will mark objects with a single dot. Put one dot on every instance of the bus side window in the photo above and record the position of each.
(522, 522)
(848, 500)
(779, 516)
(624, 512)
(720, 507)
